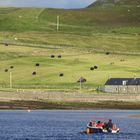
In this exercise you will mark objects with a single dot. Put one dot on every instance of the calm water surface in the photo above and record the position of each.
(65, 125)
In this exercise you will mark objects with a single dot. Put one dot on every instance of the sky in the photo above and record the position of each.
(46, 3)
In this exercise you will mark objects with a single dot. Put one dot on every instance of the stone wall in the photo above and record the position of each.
(122, 89)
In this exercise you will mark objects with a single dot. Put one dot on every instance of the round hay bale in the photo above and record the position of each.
(34, 73)
(92, 68)
(59, 56)
(37, 64)
(6, 44)
(11, 67)
(52, 56)
(6, 70)
(61, 74)
(107, 53)
(95, 67)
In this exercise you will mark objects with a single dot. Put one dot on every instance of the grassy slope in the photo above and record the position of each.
(114, 28)
(74, 63)
(109, 28)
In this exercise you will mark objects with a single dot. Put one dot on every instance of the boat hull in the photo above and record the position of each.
(100, 130)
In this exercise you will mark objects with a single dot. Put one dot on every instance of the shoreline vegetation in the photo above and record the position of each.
(54, 105)
(69, 101)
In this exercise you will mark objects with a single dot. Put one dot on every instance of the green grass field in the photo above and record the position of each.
(83, 38)
(75, 63)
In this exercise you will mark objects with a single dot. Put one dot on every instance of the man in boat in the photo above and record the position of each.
(92, 123)
(109, 125)
(99, 124)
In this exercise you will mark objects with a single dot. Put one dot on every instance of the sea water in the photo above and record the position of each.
(65, 124)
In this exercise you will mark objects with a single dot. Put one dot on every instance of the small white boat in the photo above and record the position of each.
(95, 128)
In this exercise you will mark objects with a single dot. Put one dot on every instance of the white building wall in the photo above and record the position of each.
(122, 89)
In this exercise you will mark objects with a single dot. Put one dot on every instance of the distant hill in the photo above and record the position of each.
(118, 12)
(116, 2)
(77, 26)
(111, 13)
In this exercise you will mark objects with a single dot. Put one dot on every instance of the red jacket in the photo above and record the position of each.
(99, 125)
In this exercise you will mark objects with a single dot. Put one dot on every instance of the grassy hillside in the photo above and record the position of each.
(105, 32)
(74, 63)
(118, 12)
(83, 38)
(117, 2)
(101, 13)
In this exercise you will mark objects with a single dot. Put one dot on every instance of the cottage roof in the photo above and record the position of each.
(123, 81)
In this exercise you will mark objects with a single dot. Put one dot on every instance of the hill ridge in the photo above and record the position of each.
(116, 2)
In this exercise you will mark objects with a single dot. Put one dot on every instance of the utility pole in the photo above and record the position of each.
(10, 79)
(58, 23)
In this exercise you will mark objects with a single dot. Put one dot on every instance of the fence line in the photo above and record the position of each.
(62, 46)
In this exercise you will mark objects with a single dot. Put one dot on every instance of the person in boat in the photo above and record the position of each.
(99, 124)
(114, 127)
(92, 123)
(105, 125)
(109, 125)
